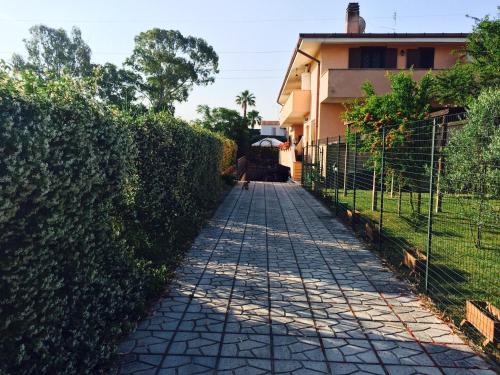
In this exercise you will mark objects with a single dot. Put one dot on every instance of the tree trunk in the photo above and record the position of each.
(392, 185)
(346, 158)
(374, 189)
(399, 200)
(419, 202)
(439, 194)
(440, 168)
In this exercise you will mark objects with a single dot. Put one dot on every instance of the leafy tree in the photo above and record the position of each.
(53, 52)
(227, 122)
(478, 67)
(245, 99)
(116, 86)
(397, 111)
(169, 65)
(473, 158)
(254, 118)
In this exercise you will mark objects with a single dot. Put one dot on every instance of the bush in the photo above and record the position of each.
(92, 208)
(67, 282)
(228, 154)
(179, 179)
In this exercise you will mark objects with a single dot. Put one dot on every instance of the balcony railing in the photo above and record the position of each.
(297, 106)
(338, 85)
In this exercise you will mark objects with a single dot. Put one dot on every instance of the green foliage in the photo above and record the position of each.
(408, 100)
(163, 68)
(245, 99)
(229, 150)
(227, 122)
(254, 118)
(117, 87)
(473, 160)
(95, 207)
(52, 52)
(170, 64)
(67, 281)
(478, 68)
(396, 112)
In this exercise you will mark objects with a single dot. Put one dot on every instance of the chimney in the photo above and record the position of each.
(353, 22)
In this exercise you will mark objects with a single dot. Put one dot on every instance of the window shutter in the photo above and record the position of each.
(354, 58)
(391, 58)
(426, 58)
(412, 58)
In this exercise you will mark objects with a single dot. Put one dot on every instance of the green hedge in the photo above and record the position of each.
(92, 208)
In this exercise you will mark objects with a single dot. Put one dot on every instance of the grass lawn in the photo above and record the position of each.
(459, 271)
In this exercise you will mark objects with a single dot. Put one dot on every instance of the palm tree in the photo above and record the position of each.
(254, 118)
(245, 99)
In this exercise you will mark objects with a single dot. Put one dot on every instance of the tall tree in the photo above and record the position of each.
(473, 157)
(245, 99)
(116, 86)
(397, 111)
(54, 52)
(478, 67)
(170, 64)
(254, 118)
(227, 122)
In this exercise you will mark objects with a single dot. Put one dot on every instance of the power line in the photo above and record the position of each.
(216, 20)
(107, 53)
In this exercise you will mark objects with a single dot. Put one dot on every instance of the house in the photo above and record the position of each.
(272, 128)
(327, 70)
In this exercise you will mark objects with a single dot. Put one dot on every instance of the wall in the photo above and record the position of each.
(331, 123)
(337, 56)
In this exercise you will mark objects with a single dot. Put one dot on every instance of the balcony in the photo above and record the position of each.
(297, 106)
(339, 85)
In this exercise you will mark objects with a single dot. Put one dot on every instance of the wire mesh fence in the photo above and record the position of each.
(399, 195)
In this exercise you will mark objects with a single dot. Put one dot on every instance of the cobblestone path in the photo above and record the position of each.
(275, 285)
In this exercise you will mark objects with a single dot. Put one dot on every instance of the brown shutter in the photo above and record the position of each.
(412, 58)
(354, 58)
(391, 58)
(426, 58)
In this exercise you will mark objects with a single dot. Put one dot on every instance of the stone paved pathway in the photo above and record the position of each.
(275, 285)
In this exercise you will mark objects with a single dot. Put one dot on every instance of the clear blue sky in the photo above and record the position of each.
(254, 39)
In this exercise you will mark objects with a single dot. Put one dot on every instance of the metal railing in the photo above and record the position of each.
(401, 202)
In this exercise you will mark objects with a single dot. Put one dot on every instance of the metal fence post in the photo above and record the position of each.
(304, 161)
(429, 216)
(326, 185)
(337, 170)
(382, 170)
(346, 165)
(354, 179)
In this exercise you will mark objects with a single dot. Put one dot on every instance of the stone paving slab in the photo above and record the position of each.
(275, 285)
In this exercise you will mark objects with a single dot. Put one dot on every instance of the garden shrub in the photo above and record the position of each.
(228, 154)
(92, 208)
(178, 170)
(67, 282)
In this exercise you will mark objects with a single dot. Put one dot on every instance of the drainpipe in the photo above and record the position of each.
(317, 90)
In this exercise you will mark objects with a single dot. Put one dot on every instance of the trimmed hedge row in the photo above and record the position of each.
(93, 207)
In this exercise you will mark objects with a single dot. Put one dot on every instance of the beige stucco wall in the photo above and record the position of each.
(331, 123)
(337, 57)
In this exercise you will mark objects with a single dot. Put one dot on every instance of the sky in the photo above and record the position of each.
(254, 39)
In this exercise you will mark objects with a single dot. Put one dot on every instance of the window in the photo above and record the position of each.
(372, 57)
(273, 131)
(420, 58)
